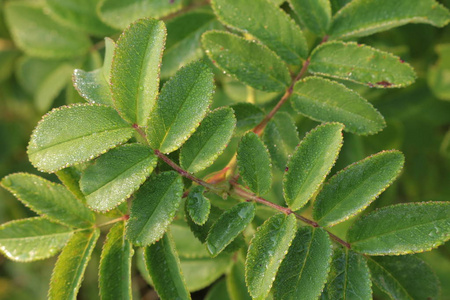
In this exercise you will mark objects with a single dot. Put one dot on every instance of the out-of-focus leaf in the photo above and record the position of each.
(7, 62)
(247, 117)
(218, 291)
(197, 205)
(315, 15)
(236, 282)
(439, 74)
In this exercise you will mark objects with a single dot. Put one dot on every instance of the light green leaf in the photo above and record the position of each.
(304, 270)
(70, 178)
(247, 61)
(247, 117)
(183, 39)
(90, 129)
(236, 282)
(116, 175)
(278, 31)
(197, 205)
(439, 74)
(328, 101)
(71, 264)
(254, 164)
(37, 34)
(163, 265)
(135, 69)
(180, 108)
(94, 86)
(32, 239)
(267, 249)
(209, 141)
(351, 190)
(115, 265)
(154, 207)
(188, 246)
(119, 14)
(365, 17)
(361, 64)
(401, 229)
(218, 291)
(230, 224)
(315, 15)
(349, 277)
(52, 201)
(404, 277)
(311, 163)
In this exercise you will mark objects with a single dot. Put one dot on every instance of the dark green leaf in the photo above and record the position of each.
(197, 205)
(236, 282)
(315, 15)
(247, 116)
(201, 231)
(439, 74)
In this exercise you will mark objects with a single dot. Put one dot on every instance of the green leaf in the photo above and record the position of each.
(236, 282)
(304, 270)
(281, 138)
(328, 101)
(439, 74)
(71, 264)
(135, 69)
(401, 229)
(278, 31)
(230, 224)
(154, 207)
(32, 239)
(8, 58)
(70, 178)
(37, 34)
(247, 117)
(351, 190)
(315, 15)
(183, 39)
(311, 163)
(163, 265)
(365, 17)
(209, 141)
(119, 14)
(188, 246)
(91, 129)
(94, 86)
(349, 277)
(404, 277)
(116, 175)
(361, 64)
(218, 291)
(51, 200)
(267, 249)
(247, 61)
(197, 205)
(115, 265)
(201, 231)
(180, 108)
(254, 164)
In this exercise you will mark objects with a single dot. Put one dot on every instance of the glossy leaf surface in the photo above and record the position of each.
(197, 205)
(315, 15)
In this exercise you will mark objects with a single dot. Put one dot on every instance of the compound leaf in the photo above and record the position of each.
(32, 239)
(310, 163)
(351, 190)
(197, 205)
(361, 64)
(180, 108)
(135, 69)
(328, 101)
(315, 15)
(73, 134)
(401, 229)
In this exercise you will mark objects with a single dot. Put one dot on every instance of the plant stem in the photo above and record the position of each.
(123, 218)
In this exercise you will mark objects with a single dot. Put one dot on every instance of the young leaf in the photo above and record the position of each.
(197, 205)
(247, 61)
(310, 163)
(247, 116)
(230, 224)
(38, 35)
(315, 15)
(236, 282)
(267, 249)
(209, 141)
(349, 277)
(304, 270)
(116, 175)
(278, 31)
(404, 277)
(365, 17)
(32, 239)
(163, 265)
(153, 208)
(401, 229)
(50, 200)
(135, 69)
(328, 101)
(90, 129)
(183, 103)
(351, 190)
(361, 64)
(69, 268)
(253, 160)
(115, 265)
